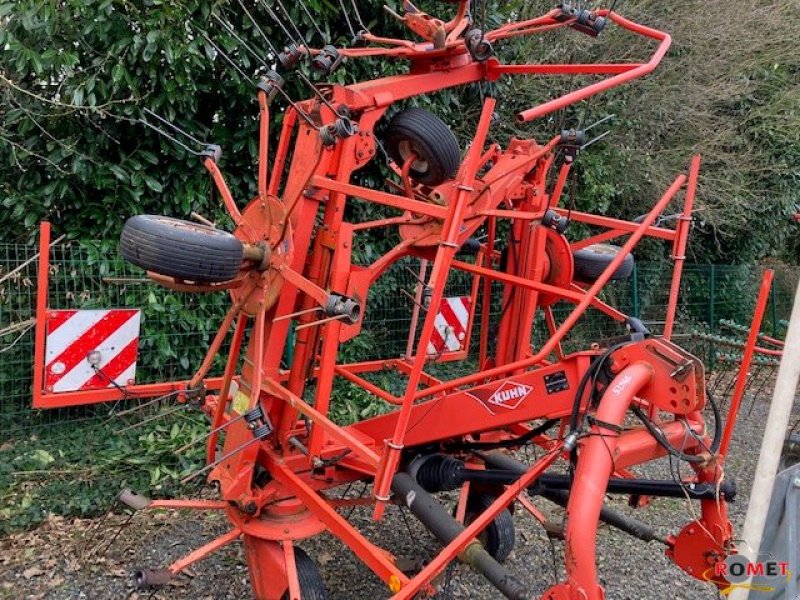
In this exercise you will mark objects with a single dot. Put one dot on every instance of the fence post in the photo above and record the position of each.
(712, 298)
(635, 290)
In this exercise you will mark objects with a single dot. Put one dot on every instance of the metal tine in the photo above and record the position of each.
(138, 407)
(414, 300)
(275, 51)
(714, 383)
(358, 15)
(196, 440)
(221, 459)
(297, 314)
(224, 55)
(312, 19)
(320, 322)
(175, 127)
(244, 44)
(260, 31)
(600, 121)
(350, 25)
(595, 139)
(89, 532)
(316, 91)
(170, 137)
(767, 376)
(106, 547)
(294, 25)
(280, 89)
(414, 275)
(155, 417)
(729, 387)
(277, 19)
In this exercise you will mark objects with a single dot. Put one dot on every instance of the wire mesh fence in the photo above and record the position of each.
(177, 328)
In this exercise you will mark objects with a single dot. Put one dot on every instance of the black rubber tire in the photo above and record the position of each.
(311, 585)
(499, 536)
(590, 262)
(421, 131)
(181, 249)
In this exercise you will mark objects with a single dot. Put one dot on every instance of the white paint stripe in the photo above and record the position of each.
(438, 325)
(450, 340)
(109, 348)
(127, 375)
(458, 309)
(72, 329)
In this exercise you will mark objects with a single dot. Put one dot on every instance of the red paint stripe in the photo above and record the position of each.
(437, 341)
(452, 318)
(58, 318)
(77, 350)
(114, 368)
(465, 300)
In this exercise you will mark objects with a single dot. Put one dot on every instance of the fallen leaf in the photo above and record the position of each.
(32, 572)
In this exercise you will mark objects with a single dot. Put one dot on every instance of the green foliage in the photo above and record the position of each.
(80, 471)
(74, 77)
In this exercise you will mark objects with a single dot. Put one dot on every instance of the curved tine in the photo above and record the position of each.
(229, 28)
(600, 121)
(347, 18)
(313, 20)
(223, 54)
(222, 459)
(166, 413)
(193, 442)
(258, 29)
(293, 24)
(175, 127)
(143, 405)
(170, 137)
(277, 19)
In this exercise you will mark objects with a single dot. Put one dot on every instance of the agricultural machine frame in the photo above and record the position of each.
(281, 450)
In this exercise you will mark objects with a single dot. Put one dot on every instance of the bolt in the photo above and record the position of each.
(796, 482)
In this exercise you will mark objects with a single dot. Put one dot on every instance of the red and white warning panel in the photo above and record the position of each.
(90, 349)
(450, 329)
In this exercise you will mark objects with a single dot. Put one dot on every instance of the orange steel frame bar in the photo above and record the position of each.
(45, 399)
(491, 184)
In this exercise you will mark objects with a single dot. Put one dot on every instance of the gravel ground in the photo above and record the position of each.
(68, 559)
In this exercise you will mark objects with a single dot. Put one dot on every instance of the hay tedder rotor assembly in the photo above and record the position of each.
(489, 212)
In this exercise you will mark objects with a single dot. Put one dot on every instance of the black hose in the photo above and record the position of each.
(717, 422)
(664, 442)
(591, 374)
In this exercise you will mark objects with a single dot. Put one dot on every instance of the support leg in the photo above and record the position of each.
(266, 562)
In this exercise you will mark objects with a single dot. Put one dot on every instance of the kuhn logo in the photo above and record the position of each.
(508, 395)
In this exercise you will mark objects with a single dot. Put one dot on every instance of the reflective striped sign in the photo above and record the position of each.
(90, 349)
(452, 321)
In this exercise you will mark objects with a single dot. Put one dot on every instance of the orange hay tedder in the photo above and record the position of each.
(274, 451)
